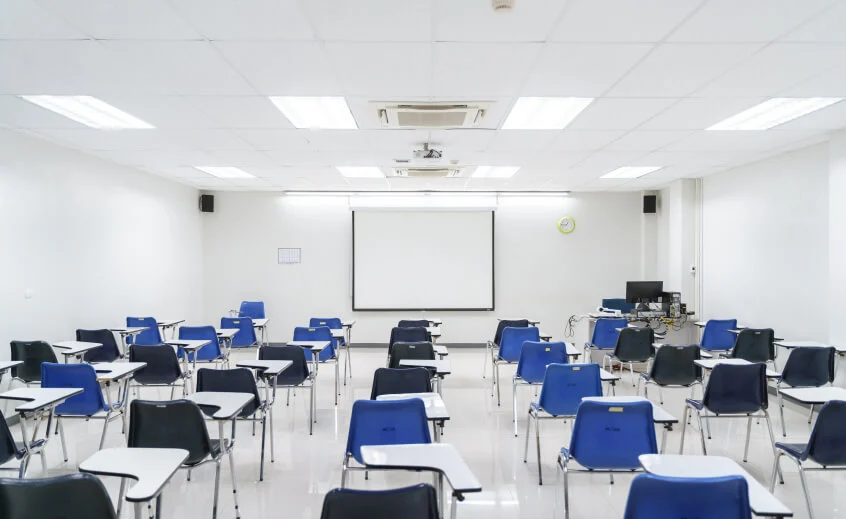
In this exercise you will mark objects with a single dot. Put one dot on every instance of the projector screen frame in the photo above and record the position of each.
(493, 278)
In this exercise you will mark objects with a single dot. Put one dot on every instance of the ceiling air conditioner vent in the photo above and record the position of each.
(427, 116)
(427, 172)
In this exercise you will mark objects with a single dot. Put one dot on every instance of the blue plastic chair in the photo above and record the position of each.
(806, 367)
(564, 387)
(335, 323)
(252, 309)
(608, 437)
(384, 422)
(298, 375)
(327, 355)
(246, 336)
(149, 337)
(716, 335)
(660, 497)
(618, 303)
(90, 404)
(501, 325)
(826, 447)
(509, 350)
(210, 352)
(531, 367)
(604, 335)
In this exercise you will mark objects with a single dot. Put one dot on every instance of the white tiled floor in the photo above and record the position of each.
(307, 467)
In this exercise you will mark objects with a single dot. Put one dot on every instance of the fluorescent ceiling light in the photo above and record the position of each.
(544, 113)
(330, 113)
(89, 111)
(495, 171)
(534, 193)
(318, 193)
(631, 172)
(773, 112)
(224, 171)
(361, 171)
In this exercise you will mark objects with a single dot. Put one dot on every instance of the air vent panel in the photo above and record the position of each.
(430, 116)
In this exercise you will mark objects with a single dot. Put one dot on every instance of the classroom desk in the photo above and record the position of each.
(441, 458)
(440, 367)
(150, 468)
(709, 364)
(169, 324)
(261, 326)
(440, 350)
(789, 345)
(436, 410)
(316, 347)
(762, 502)
(814, 395)
(75, 348)
(659, 415)
(108, 372)
(127, 332)
(572, 350)
(435, 332)
(189, 347)
(544, 336)
(226, 334)
(6, 365)
(702, 353)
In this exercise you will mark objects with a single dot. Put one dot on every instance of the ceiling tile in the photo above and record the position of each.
(252, 20)
(737, 141)
(26, 20)
(262, 139)
(91, 139)
(335, 140)
(165, 112)
(477, 21)
(454, 141)
(831, 83)
(640, 21)
(521, 140)
(829, 118)
(698, 113)
(240, 111)
(395, 140)
(386, 70)
(619, 113)
(647, 140)
(482, 70)
(826, 26)
(371, 20)
(583, 140)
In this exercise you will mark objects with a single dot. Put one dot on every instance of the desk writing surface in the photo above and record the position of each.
(167, 323)
(132, 330)
(809, 344)
(36, 398)
(150, 468)
(189, 344)
(572, 350)
(607, 376)
(226, 333)
(710, 363)
(442, 367)
(270, 368)
(440, 349)
(6, 365)
(814, 395)
(69, 345)
(434, 330)
(688, 466)
(228, 404)
(258, 323)
(315, 346)
(435, 407)
(659, 414)
(109, 371)
(338, 333)
(348, 323)
(439, 457)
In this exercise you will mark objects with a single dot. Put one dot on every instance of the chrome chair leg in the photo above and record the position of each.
(748, 434)
(514, 405)
(772, 441)
(62, 438)
(528, 430)
(781, 412)
(701, 432)
(537, 440)
(234, 487)
(805, 489)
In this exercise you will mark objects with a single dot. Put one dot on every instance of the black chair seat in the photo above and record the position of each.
(797, 450)
(20, 449)
(695, 403)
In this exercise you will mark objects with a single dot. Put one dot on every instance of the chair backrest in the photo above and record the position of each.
(246, 335)
(72, 496)
(809, 367)
(238, 380)
(635, 344)
(659, 497)
(316, 333)
(162, 365)
(418, 334)
(736, 389)
(754, 345)
(618, 303)
(508, 323)
(8, 448)
(210, 351)
(386, 422)
(252, 309)
(417, 502)
(148, 337)
(334, 323)
(177, 424)
(32, 353)
(413, 323)
(87, 403)
(716, 335)
(411, 350)
(611, 435)
(108, 352)
(536, 356)
(297, 373)
(827, 445)
(605, 332)
(673, 365)
(387, 381)
(512, 341)
(564, 386)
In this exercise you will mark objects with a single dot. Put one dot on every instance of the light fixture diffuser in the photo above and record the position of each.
(495, 171)
(544, 113)
(631, 172)
(773, 112)
(361, 171)
(224, 171)
(89, 111)
(327, 113)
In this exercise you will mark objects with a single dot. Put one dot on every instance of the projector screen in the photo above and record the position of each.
(423, 260)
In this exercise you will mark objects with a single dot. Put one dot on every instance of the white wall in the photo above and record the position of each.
(93, 241)
(540, 272)
(676, 239)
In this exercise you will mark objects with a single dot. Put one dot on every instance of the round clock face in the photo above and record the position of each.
(567, 224)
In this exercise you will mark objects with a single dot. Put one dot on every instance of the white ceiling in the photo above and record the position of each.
(200, 71)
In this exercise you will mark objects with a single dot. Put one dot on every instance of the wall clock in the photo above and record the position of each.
(566, 225)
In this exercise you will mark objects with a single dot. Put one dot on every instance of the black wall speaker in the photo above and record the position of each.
(650, 204)
(207, 203)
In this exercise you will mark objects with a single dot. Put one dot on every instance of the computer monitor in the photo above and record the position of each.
(644, 291)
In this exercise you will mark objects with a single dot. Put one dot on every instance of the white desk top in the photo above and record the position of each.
(435, 407)
(39, 397)
(543, 335)
(226, 333)
(440, 349)
(260, 323)
(348, 323)
(338, 333)
(151, 468)
(6, 365)
(814, 395)
(111, 371)
(228, 404)
(702, 353)
(687, 466)
(434, 330)
(572, 350)
(607, 376)
(270, 368)
(169, 323)
(442, 367)
(659, 414)
(133, 330)
(72, 348)
(436, 321)
(310, 345)
(710, 363)
(188, 344)
(808, 344)
(439, 457)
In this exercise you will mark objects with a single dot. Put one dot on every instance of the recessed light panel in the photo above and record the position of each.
(544, 113)
(328, 113)
(773, 112)
(495, 171)
(89, 111)
(224, 171)
(631, 172)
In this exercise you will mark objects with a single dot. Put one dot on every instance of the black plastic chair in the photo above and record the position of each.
(73, 496)
(826, 446)
(12, 450)
(32, 353)
(673, 366)
(754, 345)
(417, 502)
(388, 381)
(633, 345)
(419, 334)
(409, 323)
(391, 349)
(417, 351)
(162, 367)
(108, 352)
(298, 375)
(490, 346)
(806, 367)
(179, 424)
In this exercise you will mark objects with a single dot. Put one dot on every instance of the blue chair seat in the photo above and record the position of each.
(565, 453)
(797, 450)
(695, 403)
